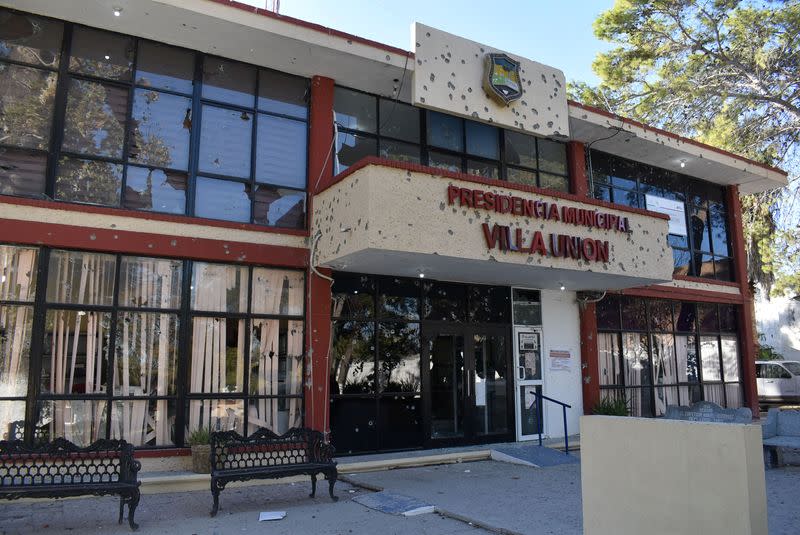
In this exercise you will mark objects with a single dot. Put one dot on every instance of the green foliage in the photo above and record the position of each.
(766, 351)
(726, 72)
(200, 436)
(614, 406)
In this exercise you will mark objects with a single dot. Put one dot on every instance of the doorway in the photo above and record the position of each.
(465, 370)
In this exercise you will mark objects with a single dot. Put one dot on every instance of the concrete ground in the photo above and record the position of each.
(499, 497)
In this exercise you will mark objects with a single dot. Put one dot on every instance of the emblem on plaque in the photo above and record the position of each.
(502, 81)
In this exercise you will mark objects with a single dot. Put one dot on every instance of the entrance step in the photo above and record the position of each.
(532, 455)
(394, 504)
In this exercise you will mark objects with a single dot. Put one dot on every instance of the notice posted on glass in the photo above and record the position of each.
(560, 360)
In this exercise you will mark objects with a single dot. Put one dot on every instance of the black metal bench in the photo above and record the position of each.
(265, 455)
(59, 469)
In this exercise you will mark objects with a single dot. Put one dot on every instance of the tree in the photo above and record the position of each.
(726, 72)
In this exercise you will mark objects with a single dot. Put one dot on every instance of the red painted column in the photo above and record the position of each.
(747, 310)
(590, 366)
(318, 310)
(576, 161)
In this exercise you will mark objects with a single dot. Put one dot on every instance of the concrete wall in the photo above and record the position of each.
(668, 476)
(361, 213)
(449, 73)
(779, 321)
(561, 331)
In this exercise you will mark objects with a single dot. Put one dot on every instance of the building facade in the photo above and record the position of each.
(215, 216)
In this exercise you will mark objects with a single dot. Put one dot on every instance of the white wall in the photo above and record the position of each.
(779, 320)
(561, 331)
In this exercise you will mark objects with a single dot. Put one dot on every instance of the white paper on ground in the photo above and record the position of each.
(271, 515)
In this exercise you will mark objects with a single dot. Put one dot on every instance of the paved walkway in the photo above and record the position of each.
(501, 497)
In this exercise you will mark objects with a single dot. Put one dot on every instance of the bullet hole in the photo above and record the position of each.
(433, 77)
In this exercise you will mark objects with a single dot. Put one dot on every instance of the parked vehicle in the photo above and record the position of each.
(778, 381)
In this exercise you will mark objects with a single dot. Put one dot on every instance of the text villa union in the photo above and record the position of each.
(505, 238)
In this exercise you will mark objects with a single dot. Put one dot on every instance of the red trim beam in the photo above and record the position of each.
(141, 243)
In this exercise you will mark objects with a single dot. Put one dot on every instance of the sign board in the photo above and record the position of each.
(560, 360)
(528, 341)
(676, 211)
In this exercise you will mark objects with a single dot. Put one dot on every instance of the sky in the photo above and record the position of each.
(554, 32)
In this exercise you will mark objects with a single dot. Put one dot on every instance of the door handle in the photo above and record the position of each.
(521, 373)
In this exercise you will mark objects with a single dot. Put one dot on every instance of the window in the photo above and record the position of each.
(142, 128)
(705, 250)
(369, 125)
(656, 353)
(104, 350)
(375, 377)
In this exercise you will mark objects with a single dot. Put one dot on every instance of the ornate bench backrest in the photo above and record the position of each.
(263, 449)
(63, 463)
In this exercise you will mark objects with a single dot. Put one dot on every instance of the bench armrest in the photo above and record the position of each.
(770, 427)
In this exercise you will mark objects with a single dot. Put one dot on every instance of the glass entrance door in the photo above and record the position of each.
(466, 376)
(528, 382)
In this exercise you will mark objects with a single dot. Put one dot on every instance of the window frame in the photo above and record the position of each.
(180, 399)
(425, 147)
(55, 152)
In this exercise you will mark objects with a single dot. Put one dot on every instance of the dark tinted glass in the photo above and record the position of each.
(354, 421)
(101, 54)
(483, 169)
(527, 307)
(400, 422)
(156, 190)
(520, 149)
(660, 315)
(699, 228)
(279, 207)
(552, 156)
(26, 106)
(489, 304)
(678, 241)
(22, 173)
(283, 94)
(608, 312)
(723, 269)
(707, 315)
(356, 111)
(351, 148)
(88, 181)
(399, 151)
(727, 318)
(160, 128)
(521, 176)
(353, 358)
(352, 296)
(719, 229)
(399, 120)
(602, 193)
(445, 131)
(445, 302)
(555, 182)
(225, 139)
(95, 119)
(444, 161)
(229, 81)
(222, 199)
(682, 261)
(281, 151)
(398, 357)
(482, 140)
(633, 313)
(626, 197)
(685, 317)
(29, 39)
(398, 298)
(164, 67)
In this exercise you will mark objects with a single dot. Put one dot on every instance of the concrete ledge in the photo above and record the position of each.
(409, 462)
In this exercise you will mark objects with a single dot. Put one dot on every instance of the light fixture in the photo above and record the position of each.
(107, 56)
(683, 163)
(117, 11)
(562, 287)
(421, 275)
